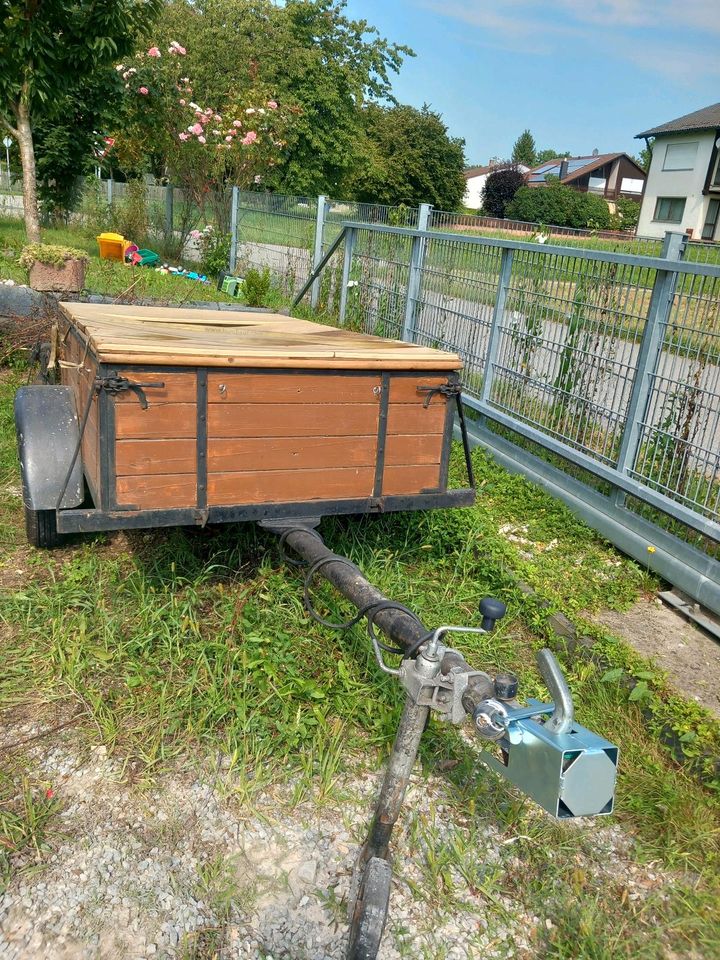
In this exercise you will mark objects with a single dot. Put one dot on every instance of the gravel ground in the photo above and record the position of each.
(184, 869)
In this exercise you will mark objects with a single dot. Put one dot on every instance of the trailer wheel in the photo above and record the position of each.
(369, 912)
(41, 528)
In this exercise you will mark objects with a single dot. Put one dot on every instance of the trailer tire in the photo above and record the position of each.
(370, 910)
(41, 528)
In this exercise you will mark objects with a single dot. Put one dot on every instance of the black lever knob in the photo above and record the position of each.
(506, 686)
(491, 611)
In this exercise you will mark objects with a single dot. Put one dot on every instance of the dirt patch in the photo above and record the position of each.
(689, 656)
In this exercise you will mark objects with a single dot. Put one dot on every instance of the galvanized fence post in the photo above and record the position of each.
(169, 219)
(661, 302)
(347, 268)
(234, 203)
(415, 271)
(322, 205)
(493, 344)
(109, 191)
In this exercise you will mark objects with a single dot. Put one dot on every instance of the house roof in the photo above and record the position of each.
(471, 172)
(707, 118)
(576, 167)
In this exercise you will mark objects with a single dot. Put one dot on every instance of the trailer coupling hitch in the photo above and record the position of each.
(565, 768)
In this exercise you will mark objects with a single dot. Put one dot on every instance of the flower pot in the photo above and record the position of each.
(68, 278)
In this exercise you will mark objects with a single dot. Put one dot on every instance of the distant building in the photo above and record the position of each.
(475, 178)
(683, 184)
(609, 175)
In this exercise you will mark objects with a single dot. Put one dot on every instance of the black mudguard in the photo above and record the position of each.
(47, 432)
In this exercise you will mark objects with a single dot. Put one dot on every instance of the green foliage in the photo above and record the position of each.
(318, 63)
(559, 205)
(644, 156)
(628, 211)
(524, 150)
(130, 213)
(500, 188)
(50, 51)
(51, 254)
(214, 250)
(407, 157)
(256, 287)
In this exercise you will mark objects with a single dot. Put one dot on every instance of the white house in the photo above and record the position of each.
(475, 178)
(682, 191)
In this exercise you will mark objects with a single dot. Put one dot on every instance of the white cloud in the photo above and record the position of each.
(632, 30)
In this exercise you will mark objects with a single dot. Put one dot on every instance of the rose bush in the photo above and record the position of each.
(167, 129)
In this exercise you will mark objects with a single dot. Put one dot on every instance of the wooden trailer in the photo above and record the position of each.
(189, 416)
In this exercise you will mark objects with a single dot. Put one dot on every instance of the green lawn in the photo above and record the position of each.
(106, 277)
(178, 644)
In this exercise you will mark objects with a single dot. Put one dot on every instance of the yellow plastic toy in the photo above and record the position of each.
(113, 246)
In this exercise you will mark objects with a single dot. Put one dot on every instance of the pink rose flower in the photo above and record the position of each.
(183, 136)
(250, 110)
(196, 128)
(144, 91)
(153, 52)
(176, 48)
(181, 102)
(250, 137)
(195, 234)
(208, 112)
(272, 104)
(237, 123)
(202, 140)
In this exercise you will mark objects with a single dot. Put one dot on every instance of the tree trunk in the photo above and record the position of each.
(27, 158)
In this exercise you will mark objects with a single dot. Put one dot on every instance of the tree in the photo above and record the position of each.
(47, 49)
(408, 157)
(644, 156)
(523, 150)
(317, 61)
(500, 188)
(559, 205)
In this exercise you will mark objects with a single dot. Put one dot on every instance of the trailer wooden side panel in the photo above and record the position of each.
(78, 369)
(156, 448)
(291, 437)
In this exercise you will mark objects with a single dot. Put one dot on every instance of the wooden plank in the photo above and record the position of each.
(419, 448)
(290, 486)
(283, 453)
(410, 479)
(122, 356)
(157, 492)
(179, 387)
(409, 418)
(169, 421)
(292, 420)
(405, 389)
(286, 388)
(195, 337)
(137, 458)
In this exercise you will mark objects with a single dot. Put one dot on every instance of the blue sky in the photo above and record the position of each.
(579, 73)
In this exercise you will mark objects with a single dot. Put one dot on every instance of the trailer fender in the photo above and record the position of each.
(47, 430)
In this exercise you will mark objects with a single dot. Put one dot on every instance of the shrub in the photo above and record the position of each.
(500, 188)
(256, 287)
(559, 206)
(214, 249)
(130, 214)
(629, 212)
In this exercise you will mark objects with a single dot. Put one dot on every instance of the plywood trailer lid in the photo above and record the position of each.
(175, 336)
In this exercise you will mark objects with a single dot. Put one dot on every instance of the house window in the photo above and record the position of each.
(715, 180)
(669, 209)
(711, 219)
(680, 156)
